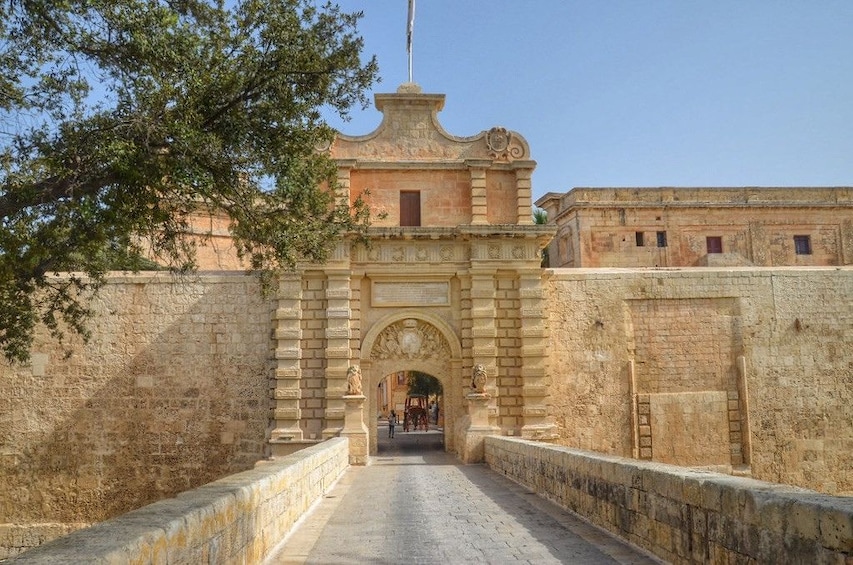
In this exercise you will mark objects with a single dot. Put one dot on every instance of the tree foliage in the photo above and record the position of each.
(540, 218)
(423, 384)
(120, 118)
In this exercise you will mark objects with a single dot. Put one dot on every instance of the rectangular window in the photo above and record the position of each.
(639, 237)
(714, 244)
(803, 245)
(410, 208)
(661, 239)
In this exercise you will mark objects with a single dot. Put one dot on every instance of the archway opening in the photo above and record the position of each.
(410, 406)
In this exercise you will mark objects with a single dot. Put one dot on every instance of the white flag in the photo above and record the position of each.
(411, 27)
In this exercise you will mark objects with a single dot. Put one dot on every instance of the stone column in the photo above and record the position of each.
(337, 334)
(355, 429)
(524, 188)
(288, 373)
(535, 381)
(479, 204)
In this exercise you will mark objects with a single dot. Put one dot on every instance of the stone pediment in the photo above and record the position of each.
(410, 132)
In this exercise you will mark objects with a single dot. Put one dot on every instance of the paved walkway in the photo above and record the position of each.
(415, 504)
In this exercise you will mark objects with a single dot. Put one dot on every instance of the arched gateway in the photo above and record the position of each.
(451, 280)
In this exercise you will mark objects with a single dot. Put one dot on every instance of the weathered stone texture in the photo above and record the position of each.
(171, 392)
(238, 519)
(683, 515)
(668, 227)
(621, 339)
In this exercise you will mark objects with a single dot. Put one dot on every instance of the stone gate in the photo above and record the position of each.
(451, 279)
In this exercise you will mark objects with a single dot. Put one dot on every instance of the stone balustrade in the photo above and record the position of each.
(683, 515)
(237, 519)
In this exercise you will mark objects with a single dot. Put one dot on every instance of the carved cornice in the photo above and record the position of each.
(453, 245)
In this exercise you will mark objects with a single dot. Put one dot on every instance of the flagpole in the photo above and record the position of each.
(410, 28)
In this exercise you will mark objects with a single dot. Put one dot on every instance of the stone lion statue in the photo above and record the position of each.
(354, 381)
(478, 379)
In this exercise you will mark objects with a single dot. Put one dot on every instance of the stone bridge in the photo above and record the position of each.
(413, 502)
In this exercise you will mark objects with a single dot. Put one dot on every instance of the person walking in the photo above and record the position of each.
(392, 422)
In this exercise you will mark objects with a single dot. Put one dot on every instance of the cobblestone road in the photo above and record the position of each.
(415, 504)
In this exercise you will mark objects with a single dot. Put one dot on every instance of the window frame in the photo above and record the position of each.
(802, 245)
(717, 246)
(410, 208)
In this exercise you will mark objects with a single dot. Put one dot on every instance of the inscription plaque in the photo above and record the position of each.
(401, 293)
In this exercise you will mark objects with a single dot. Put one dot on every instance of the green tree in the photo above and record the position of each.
(120, 118)
(423, 384)
(540, 217)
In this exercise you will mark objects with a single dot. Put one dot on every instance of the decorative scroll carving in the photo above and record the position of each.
(410, 339)
(502, 145)
(410, 131)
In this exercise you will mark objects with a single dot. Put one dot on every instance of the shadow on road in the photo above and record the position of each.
(408, 443)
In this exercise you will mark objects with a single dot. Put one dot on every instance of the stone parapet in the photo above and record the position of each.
(238, 519)
(683, 515)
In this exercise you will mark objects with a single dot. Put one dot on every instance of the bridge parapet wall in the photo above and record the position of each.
(237, 519)
(680, 514)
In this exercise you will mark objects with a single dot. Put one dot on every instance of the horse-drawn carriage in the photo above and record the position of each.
(415, 414)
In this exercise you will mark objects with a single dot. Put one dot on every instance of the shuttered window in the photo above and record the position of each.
(715, 244)
(410, 208)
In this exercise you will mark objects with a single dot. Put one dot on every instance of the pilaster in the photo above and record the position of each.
(523, 185)
(479, 204)
(535, 380)
(342, 191)
(484, 327)
(337, 336)
(286, 391)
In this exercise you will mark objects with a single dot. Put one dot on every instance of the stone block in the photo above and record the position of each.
(835, 522)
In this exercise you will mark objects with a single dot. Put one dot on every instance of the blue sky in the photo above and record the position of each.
(635, 92)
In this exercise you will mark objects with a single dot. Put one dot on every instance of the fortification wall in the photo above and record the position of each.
(737, 369)
(171, 392)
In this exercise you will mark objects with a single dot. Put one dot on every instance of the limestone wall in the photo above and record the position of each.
(744, 370)
(683, 515)
(171, 392)
(668, 227)
(238, 519)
